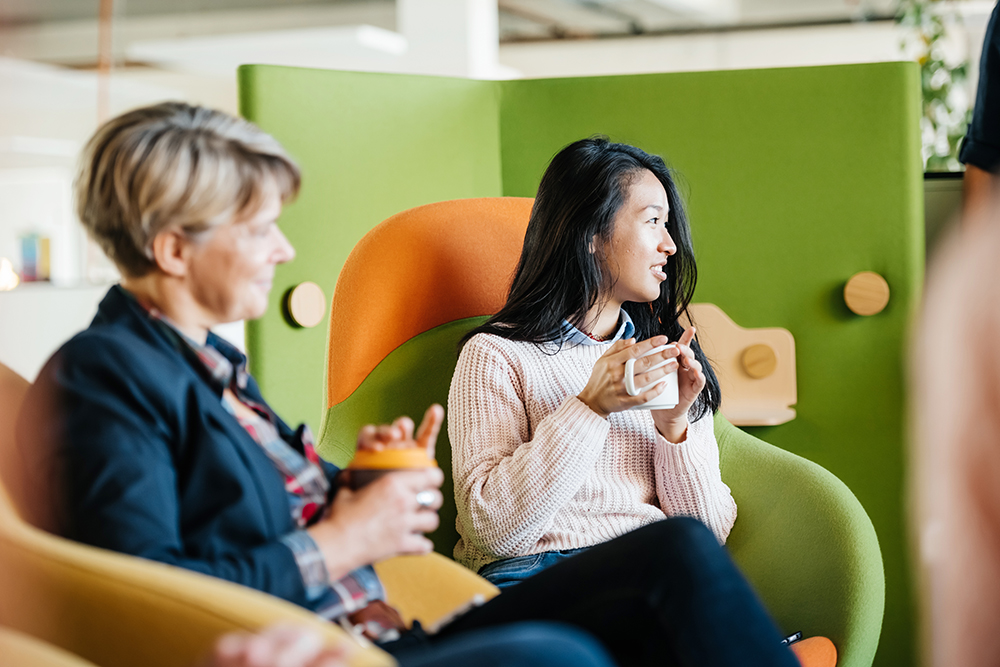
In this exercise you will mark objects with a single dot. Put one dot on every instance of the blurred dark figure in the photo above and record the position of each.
(981, 146)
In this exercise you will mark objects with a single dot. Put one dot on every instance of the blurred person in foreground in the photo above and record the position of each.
(145, 434)
(955, 470)
(284, 645)
(276, 646)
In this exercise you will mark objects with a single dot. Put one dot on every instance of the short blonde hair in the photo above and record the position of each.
(173, 165)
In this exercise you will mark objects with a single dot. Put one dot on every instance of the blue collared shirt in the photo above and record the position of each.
(570, 334)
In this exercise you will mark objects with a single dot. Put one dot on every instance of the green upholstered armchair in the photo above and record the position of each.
(806, 544)
(801, 536)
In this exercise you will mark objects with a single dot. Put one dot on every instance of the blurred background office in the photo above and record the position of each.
(67, 64)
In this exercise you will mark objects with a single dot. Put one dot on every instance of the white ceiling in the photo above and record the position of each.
(189, 48)
(520, 19)
(547, 19)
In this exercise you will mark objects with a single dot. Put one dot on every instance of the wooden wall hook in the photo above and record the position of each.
(759, 360)
(755, 367)
(305, 305)
(866, 293)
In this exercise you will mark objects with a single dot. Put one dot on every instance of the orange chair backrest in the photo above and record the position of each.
(418, 270)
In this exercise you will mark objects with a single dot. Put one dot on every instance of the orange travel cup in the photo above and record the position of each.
(367, 466)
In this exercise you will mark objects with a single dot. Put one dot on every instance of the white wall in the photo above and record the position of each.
(36, 319)
(37, 200)
(835, 44)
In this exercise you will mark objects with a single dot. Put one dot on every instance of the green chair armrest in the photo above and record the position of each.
(806, 543)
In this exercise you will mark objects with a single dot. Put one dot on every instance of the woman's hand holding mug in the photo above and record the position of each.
(388, 516)
(606, 391)
(673, 423)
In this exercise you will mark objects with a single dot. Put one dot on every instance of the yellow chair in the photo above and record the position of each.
(121, 611)
(20, 650)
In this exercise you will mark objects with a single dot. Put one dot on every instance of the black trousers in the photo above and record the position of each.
(666, 594)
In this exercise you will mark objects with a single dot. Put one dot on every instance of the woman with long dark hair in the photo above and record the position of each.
(551, 455)
(608, 514)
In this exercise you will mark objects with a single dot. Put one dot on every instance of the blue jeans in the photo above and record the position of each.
(509, 571)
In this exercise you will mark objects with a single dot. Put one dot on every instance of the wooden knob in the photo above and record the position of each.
(759, 361)
(866, 293)
(306, 304)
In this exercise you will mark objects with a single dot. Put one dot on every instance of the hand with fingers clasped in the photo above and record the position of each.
(673, 423)
(277, 646)
(606, 393)
(389, 516)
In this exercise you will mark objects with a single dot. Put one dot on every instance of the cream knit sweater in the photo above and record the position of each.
(536, 470)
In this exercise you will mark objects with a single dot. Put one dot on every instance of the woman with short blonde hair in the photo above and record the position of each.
(173, 165)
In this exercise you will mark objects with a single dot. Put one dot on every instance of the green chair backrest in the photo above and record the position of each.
(426, 364)
(796, 179)
(801, 536)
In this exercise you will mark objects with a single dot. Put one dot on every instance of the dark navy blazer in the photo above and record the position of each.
(147, 461)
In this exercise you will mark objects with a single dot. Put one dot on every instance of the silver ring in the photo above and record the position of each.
(425, 499)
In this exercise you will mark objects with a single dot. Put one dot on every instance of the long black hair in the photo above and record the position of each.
(562, 273)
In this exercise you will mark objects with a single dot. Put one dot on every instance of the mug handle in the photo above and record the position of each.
(630, 378)
(630, 369)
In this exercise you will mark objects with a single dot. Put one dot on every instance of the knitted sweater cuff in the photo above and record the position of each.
(692, 452)
(581, 423)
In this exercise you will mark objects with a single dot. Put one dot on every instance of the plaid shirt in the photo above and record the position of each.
(224, 367)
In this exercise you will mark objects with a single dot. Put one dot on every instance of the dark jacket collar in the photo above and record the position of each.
(119, 308)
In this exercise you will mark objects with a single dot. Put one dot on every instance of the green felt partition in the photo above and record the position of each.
(795, 178)
(370, 146)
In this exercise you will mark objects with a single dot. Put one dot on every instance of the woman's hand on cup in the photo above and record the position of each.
(605, 391)
(279, 645)
(389, 516)
(383, 519)
(672, 424)
(399, 434)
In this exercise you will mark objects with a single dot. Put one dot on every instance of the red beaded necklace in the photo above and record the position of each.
(599, 340)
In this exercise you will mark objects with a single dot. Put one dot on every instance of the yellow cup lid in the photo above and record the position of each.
(391, 459)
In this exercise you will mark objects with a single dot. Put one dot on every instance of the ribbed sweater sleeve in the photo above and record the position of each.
(689, 481)
(509, 481)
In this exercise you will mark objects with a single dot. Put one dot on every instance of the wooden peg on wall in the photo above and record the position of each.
(305, 305)
(755, 367)
(866, 293)
(759, 360)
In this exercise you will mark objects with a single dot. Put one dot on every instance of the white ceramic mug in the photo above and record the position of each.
(668, 397)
